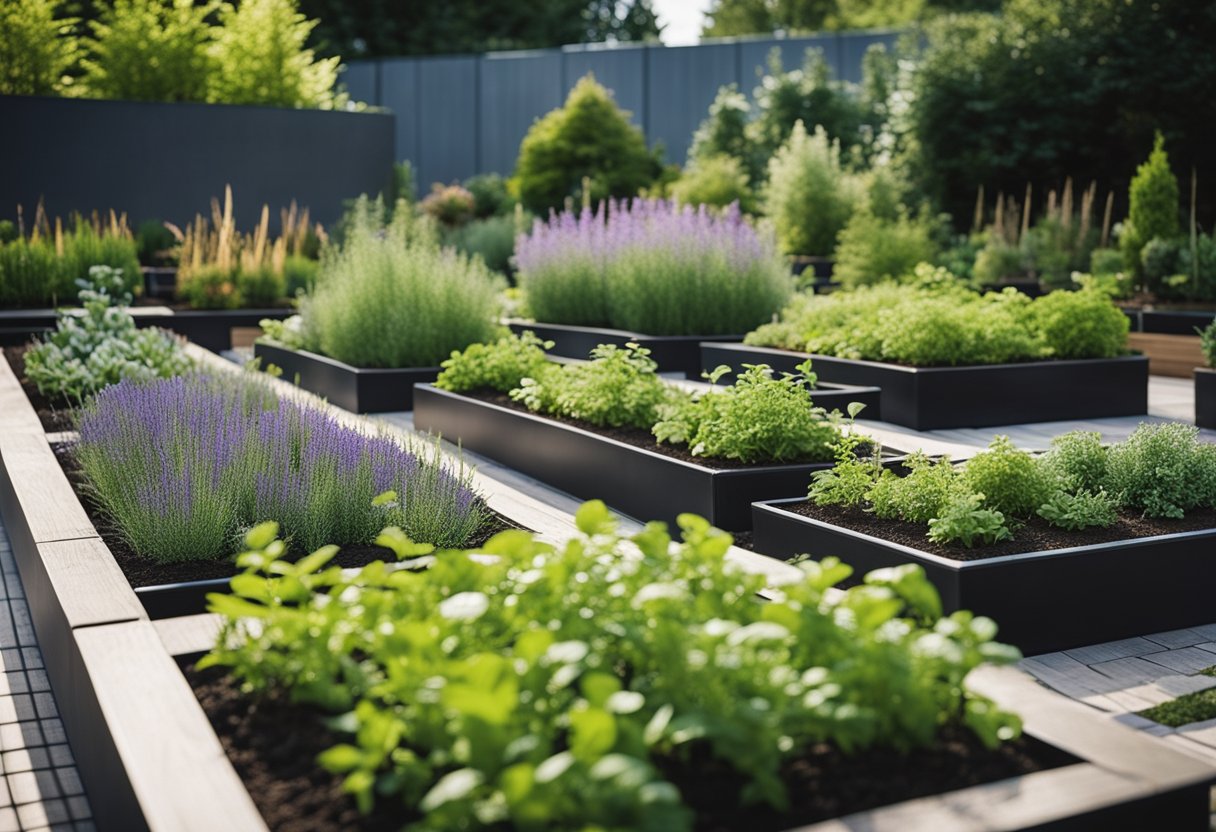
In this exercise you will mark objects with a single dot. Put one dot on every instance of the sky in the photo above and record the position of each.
(683, 18)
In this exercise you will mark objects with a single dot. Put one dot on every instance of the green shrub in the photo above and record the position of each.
(45, 269)
(30, 274)
(262, 285)
(809, 196)
(758, 418)
(716, 181)
(8, 231)
(1103, 261)
(1163, 470)
(598, 671)
(501, 365)
(1009, 479)
(491, 239)
(1199, 268)
(617, 388)
(724, 133)
(1081, 324)
(1078, 459)
(36, 49)
(491, 198)
(209, 287)
(261, 58)
(155, 244)
(101, 347)
(998, 261)
(1207, 342)
(299, 275)
(150, 50)
(872, 249)
(924, 493)
(393, 298)
(589, 137)
(1160, 262)
(1153, 206)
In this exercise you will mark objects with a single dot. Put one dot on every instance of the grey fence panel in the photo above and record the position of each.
(447, 119)
(360, 80)
(399, 94)
(167, 161)
(683, 82)
(753, 56)
(853, 46)
(622, 70)
(516, 89)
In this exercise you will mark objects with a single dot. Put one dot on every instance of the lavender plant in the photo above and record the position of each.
(183, 467)
(652, 266)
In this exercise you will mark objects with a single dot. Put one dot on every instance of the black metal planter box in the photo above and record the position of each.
(931, 398)
(673, 353)
(637, 481)
(209, 328)
(357, 389)
(1205, 398)
(1043, 601)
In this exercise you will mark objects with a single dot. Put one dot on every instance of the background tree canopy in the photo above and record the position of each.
(727, 18)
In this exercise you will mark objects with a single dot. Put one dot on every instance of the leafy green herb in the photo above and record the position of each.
(1011, 480)
(920, 496)
(501, 365)
(965, 520)
(529, 686)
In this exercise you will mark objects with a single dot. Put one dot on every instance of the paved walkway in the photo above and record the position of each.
(39, 786)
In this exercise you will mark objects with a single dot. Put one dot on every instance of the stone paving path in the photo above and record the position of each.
(39, 785)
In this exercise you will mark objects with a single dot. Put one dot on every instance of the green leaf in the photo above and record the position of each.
(456, 785)
(312, 563)
(341, 758)
(385, 498)
(593, 518)
(593, 733)
(597, 687)
(261, 535)
(855, 408)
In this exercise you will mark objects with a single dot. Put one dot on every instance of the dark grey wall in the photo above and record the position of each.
(166, 161)
(461, 115)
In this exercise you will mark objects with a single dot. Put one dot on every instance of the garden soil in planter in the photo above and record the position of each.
(54, 415)
(1048, 588)
(273, 745)
(933, 398)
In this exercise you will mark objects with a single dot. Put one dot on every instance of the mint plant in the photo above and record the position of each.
(965, 520)
(759, 417)
(530, 686)
(101, 347)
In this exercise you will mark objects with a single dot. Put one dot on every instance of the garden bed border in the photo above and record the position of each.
(209, 328)
(986, 395)
(1205, 397)
(1044, 601)
(357, 389)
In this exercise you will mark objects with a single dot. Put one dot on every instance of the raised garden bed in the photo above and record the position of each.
(212, 329)
(1205, 398)
(673, 353)
(357, 389)
(932, 398)
(1074, 769)
(1047, 595)
(625, 468)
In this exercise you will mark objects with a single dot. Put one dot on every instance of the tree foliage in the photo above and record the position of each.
(728, 18)
(34, 54)
(364, 28)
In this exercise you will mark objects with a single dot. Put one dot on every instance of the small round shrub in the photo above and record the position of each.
(589, 137)
(491, 198)
(1081, 324)
(1163, 470)
(491, 239)
(449, 205)
(1078, 460)
(1012, 481)
(716, 181)
(873, 249)
(1153, 206)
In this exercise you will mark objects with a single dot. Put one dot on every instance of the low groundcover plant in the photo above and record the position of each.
(182, 467)
(652, 266)
(937, 321)
(1160, 471)
(529, 686)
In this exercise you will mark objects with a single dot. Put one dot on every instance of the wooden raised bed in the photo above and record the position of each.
(357, 389)
(638, 481)
(931, 398)
(1044, 601)
(673, 353)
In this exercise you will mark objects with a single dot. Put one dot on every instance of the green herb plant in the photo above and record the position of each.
(531, 686)
(102, 346)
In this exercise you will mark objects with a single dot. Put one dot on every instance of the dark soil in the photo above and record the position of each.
(273, 745)
(142, 572)
(1035, 535)
(55, 414)
(637, 437)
